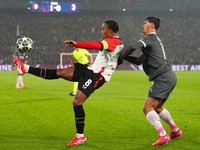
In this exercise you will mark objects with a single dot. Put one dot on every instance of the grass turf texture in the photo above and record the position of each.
(41, 117)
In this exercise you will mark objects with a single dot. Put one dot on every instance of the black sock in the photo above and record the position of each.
(79, 118)
(44, 73)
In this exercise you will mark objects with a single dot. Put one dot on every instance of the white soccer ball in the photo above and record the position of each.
(24, 44)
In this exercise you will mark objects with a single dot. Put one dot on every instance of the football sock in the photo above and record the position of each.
(75, 87)
(79, 135)
(165, 115)
(44, 73)
(154, 119)
(174, 128)
(18, 81)
(79, 118)
(21, 80)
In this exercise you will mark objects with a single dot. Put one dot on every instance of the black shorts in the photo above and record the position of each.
(88, 81)
(163, 86)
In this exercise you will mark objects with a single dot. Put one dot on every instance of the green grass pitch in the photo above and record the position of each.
(41, 116)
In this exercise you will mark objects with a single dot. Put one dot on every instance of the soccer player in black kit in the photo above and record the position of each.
(160, 72)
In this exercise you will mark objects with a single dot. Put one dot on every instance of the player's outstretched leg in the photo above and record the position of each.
(43, 72)
(19, 64)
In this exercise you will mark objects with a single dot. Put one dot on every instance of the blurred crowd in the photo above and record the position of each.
(180, 35)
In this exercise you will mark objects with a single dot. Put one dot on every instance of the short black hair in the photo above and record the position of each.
(113, 25)
(155, 21)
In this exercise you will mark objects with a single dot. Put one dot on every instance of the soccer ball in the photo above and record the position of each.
(24, 44)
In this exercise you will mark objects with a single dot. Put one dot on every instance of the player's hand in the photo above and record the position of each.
(70, 43)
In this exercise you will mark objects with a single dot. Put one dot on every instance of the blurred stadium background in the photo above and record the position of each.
(179, 29)
(40, 117)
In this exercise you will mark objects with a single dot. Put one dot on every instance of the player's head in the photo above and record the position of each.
(110, 28)
(151, 24)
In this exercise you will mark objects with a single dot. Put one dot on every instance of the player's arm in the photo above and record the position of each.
(125, 54)
(106, 44)
(86, 45)
(136, 60)
(131, 49)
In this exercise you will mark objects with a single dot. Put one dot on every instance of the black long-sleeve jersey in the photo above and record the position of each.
(153, 57)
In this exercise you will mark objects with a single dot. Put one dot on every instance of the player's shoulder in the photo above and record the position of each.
(152, 36)
(147, 39)
(111, 43)
(115, 40)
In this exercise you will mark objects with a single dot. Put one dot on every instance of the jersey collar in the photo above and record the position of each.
(152, 33)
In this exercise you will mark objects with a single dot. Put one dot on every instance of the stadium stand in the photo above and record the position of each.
(178, 32)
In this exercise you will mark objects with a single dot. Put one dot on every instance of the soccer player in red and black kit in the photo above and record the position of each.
(160, 72)
(90, 78)
(23, 57)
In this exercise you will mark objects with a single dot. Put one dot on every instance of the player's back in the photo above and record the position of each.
(155, 62)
